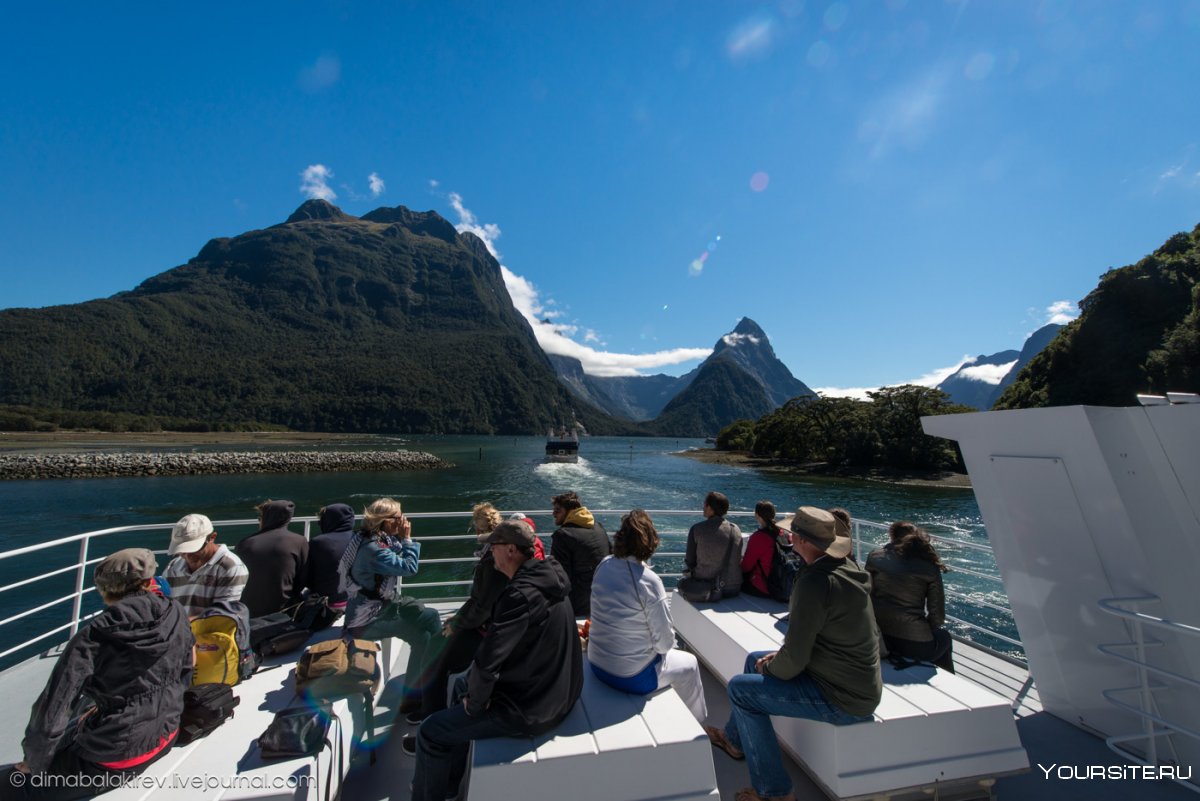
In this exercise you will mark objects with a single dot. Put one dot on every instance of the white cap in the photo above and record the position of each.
(189, 534)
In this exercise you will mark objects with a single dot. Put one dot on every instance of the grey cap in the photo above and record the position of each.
(515, 532)
(129, 566)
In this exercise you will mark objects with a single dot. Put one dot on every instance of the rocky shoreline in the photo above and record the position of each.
(110, 465)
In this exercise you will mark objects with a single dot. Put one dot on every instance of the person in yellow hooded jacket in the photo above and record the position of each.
(579, 544)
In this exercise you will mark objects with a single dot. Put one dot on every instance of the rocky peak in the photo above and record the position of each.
(419, 222)
(317, 210)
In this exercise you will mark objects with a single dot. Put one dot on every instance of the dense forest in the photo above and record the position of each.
(852, 435)
(1138, 331)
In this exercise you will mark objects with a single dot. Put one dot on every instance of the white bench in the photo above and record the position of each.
(227, 764)
(932, 729)
(612, 746)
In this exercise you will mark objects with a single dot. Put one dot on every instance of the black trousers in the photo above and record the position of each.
(68, 777)
(939, 650)
(455, 656)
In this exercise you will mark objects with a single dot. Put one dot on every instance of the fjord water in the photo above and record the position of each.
(612, 473)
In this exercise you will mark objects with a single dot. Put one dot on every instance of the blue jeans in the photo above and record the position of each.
(755, 697)
(442, 744)
(416, 624)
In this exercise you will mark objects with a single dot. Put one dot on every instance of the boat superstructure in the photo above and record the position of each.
(562, 445)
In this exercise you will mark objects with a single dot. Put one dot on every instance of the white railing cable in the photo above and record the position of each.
(1147, 708)
(83, 562)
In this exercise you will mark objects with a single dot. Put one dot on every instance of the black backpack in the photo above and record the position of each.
(205, 707)
(786, 564)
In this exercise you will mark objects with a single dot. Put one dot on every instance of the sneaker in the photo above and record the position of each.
(414, 718)
(409, 745)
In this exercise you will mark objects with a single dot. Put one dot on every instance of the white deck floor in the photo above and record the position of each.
(1048, 740)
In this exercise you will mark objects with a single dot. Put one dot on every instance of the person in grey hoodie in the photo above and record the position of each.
(134, 660)
(276, 558)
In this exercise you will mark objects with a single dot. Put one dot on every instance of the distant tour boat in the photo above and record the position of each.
(562, 445)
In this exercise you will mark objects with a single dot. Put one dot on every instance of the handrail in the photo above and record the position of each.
(1147, 709)
(85, 540)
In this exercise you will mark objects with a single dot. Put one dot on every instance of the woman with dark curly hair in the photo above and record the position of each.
(631, 645)
(908, 596)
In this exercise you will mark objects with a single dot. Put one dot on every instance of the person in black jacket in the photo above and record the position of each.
(277, 559)
(527, 673)
(133, 660)
(325, 552)
(579, 544)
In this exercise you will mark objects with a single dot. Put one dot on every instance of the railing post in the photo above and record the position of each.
(77, 607)
(1144, 681)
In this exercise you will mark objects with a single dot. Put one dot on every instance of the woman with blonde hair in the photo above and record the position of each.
(631, 644)
(908, 596)
(464, 630)
(373, 562)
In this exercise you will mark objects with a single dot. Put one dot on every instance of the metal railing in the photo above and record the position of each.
(85, 561)
(1147, 708)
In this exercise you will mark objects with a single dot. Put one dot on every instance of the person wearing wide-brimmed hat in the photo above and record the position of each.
(827, 669)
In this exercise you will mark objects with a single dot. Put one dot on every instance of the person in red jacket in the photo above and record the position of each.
(760, 550)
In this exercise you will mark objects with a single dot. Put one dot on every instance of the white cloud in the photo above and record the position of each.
(906, 117)
(555, 337)
(434, 183)
(733, 340)
(467, 222)
(377, 185)
(1061, 312)
(321, 74)
(751, 37)
(314, 182)
(935, 377)
(858, 393)
(987, 373)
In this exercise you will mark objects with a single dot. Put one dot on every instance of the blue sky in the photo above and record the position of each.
(884, 186)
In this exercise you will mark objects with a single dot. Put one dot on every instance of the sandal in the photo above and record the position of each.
(719, 740)
(749, 794)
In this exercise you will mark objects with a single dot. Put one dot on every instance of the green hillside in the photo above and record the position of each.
(1138, 332)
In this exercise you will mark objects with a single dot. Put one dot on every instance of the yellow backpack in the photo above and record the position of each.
(217, 654)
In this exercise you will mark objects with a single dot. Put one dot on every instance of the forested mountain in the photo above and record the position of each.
(637, 397)
(1138, 331)
(392, 322)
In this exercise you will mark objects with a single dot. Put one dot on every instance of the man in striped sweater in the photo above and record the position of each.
(202, 572)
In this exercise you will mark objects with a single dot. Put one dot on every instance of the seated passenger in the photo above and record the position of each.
(277, 559)
(382, 552)
(841, 519)
(134, 660)
(325, 552)
(202, 572)
(632, 643)
(526, 675)
(709, 554)
(827, 669)
(465, 629)
(909, 599)
(760, 550)
(579, 544)
(539, 550)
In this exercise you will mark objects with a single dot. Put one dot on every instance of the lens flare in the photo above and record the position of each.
(759, 181)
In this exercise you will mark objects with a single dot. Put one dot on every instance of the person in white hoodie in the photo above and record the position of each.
(631, 644)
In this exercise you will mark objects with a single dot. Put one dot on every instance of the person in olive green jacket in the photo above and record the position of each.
(827, 669)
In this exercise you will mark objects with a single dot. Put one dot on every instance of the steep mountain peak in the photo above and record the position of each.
(746, 334)
(419, 222)
(317, 210)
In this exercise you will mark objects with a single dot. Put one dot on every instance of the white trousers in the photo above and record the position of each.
(680, 670)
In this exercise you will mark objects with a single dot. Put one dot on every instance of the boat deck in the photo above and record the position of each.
(1048, 741)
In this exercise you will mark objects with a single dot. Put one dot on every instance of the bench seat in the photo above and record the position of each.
(932, 729)
(227, 764)
(612, 746)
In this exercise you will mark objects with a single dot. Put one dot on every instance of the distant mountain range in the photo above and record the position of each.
(981, 382)
(742, 378)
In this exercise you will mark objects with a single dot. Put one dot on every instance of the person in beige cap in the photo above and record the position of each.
(202, 572)
(135, 658)
(827, 669)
